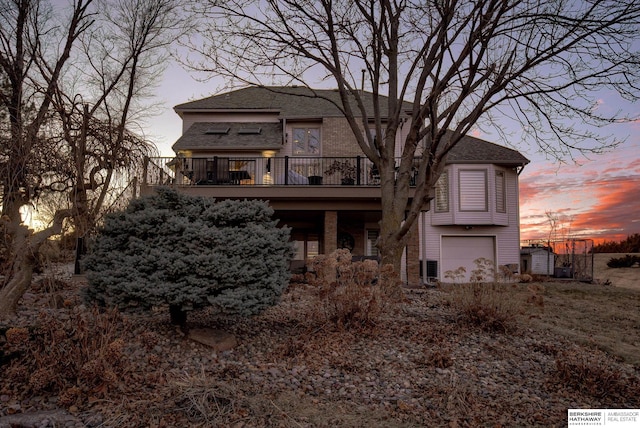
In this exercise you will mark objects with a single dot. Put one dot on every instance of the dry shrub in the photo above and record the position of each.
(51, 252)
(67, 354)
(353, 294)
(208, 401)
(536, 295)
(439, 357)
(525, 277)
(491, 307)
(593, 374)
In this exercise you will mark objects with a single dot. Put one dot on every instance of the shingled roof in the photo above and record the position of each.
(289, 101)
(231, 136)
(474, 150)
(292, 102)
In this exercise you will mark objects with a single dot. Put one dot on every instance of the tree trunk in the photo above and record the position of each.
(18, 279)
(391, 245)
(178, 317)
(395, 196)
(25, 247)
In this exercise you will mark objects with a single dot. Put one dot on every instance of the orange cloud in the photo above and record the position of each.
(600, 200)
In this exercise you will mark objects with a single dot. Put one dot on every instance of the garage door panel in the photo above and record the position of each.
(460, 251)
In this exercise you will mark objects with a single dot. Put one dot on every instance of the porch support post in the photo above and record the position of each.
(413, 255)
(330, 231)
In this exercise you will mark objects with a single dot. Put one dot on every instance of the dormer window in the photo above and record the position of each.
(223, 130)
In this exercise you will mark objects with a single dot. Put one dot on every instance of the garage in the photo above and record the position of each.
(462, 251)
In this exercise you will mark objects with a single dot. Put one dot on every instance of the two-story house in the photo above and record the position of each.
(294, 149)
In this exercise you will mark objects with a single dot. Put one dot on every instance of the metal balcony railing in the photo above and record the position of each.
(260, 171)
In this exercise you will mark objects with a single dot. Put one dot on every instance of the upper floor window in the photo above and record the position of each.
(442, 193)
(501, 202)
(473, 189)
(306, 141)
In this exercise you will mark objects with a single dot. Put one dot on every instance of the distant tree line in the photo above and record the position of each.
(629, 245)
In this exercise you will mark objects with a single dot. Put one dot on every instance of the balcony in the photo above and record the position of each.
(262, 171)
(296, 183)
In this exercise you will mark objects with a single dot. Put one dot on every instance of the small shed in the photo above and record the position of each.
(537, 260)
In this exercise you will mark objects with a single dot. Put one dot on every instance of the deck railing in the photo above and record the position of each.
(261, 171)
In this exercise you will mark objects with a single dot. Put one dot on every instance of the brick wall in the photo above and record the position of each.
(330, 231)
(338, 139)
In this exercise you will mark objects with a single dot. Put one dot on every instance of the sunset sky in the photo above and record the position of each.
(596, 198)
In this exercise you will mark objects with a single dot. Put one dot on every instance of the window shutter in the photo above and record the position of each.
(473, 189)
(442, 193)
(501, 204)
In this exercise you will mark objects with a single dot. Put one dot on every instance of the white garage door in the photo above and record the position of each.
(462, 251)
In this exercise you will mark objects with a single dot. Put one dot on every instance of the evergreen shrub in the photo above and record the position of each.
(190, 252)
(622, 262)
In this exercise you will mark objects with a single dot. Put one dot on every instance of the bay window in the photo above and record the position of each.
(473, 189)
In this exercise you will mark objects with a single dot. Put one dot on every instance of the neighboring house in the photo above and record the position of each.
(537, 260)
(296, 150)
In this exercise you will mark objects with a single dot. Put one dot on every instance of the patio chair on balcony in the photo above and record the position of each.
(374, 176)
(211, 171)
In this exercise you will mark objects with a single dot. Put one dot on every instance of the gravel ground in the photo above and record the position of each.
(419, 366)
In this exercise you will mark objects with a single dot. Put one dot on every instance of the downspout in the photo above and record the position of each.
(284, 131)
(423, 244)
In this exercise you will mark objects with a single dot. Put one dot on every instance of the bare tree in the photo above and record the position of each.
(33, 53)
(76, 81)
(122, 57)
(559, 226)
(458, 63)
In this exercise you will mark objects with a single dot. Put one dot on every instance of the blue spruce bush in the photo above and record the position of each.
(190, 252)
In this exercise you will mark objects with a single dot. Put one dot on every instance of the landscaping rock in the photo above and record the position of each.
(219, 340)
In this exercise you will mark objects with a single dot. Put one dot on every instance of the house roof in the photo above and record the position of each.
(289, 102)
(231, 136)
(474, 150)
(534, 250)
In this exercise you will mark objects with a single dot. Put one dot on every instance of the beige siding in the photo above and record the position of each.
(507, 237)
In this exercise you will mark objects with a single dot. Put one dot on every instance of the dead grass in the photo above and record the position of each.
(618, 277)
(593, 375)
(604, 317)
(490, 307)
(208, 401)
(315, 329)
(74, 357)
